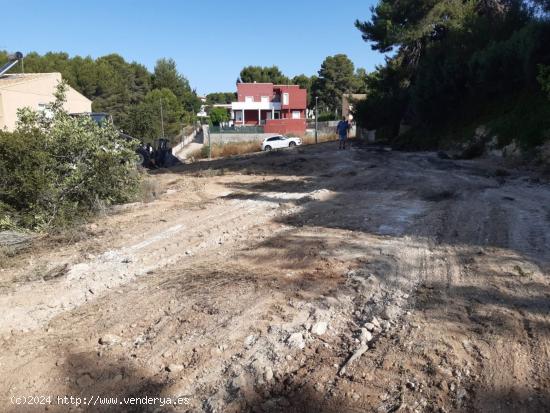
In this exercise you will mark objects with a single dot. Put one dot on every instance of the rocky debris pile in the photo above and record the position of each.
(15, 240)
(482, 143)
(268, 361)
(376, 297)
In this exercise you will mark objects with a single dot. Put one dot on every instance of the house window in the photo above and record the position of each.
(295, 114)
(249, 99)
(285, 98)
(265, 99)
(238, 116)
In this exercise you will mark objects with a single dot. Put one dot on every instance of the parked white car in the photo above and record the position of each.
(276, 142)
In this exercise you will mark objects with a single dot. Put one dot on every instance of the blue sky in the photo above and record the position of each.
(210, 40)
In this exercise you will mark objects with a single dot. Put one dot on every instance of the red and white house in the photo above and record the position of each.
(278, 108)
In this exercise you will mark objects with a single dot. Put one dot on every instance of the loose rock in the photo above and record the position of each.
(249, 341)
(319, 328)
(109, 339)
(358, 353)
(369, 326)
(390, 312)
(174, 368)
(365, 336)
(296, 340)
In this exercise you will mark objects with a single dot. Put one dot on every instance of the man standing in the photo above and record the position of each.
(342, 129)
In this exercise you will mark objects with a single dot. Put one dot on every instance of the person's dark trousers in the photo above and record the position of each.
(341, 142)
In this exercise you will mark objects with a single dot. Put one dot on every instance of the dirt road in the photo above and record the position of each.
(306, 280)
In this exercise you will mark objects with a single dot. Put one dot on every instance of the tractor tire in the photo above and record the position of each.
(140, 160)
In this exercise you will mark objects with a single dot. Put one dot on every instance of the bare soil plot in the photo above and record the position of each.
(251, 283)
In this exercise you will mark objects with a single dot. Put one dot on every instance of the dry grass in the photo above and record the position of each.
(6, 252)
(221, 150)
(209, 173)
(149, 190)
(195, 155)
(310, 140)
(234, 148)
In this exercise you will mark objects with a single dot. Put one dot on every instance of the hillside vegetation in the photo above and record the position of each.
(455, 65)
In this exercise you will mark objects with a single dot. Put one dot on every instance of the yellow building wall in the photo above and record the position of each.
(35, 93)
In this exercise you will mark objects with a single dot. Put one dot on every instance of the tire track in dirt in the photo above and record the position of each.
(443, 256)
(26, 310)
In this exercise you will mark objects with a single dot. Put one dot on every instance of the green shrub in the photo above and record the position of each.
(525, 119)
(218, 115)
(544, 78)
(58, 168)
(327, 116)
(475, 67)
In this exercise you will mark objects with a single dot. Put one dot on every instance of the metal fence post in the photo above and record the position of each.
(209, 145)
(316, 116)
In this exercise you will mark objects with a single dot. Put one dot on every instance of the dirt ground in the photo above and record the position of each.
(305, 280)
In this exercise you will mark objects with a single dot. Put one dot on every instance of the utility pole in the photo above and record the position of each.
(209, 145)
(161, 119)
(316, 116)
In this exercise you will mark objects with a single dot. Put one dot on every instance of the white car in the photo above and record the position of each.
(276, 142)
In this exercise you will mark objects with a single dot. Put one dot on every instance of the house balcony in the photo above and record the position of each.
(255, 106)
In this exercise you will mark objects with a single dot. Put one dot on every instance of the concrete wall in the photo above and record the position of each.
(367, 135)
(34, 91)
(284, 126)
(216, 138)
(185, 141)
(329, 128)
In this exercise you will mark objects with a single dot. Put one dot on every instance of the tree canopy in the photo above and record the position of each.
(336, 77)
(122, 89)
(260, 74)
(167, 76)
(218, 115)
(146, 116)
(449, 57)
(221, 98)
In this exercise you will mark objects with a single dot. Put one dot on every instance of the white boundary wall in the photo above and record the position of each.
(187, 140)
